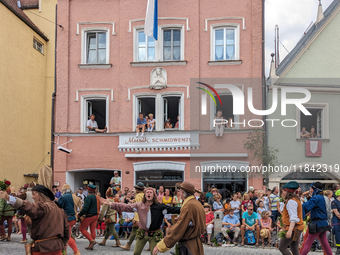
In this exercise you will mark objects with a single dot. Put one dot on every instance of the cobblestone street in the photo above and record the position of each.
(15, 248)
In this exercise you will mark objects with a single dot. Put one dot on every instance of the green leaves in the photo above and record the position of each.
(282, 234)
(256, 143)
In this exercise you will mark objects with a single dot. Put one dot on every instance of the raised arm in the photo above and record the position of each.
(171, 210)
(120, 207)
(33, 210)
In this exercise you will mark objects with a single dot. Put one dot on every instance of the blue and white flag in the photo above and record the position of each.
(151, 19)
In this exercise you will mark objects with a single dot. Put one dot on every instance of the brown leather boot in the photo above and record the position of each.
(103, 243)
(117, 244)
(28, 249)
(126, 247)
(92, 243)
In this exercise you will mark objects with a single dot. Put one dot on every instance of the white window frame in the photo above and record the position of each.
(325, 119)
(213, 110)
(83, 110)
(137, 29)
(36, 41)
(214, 27)
(181, 109)
(159, 108)
(161, 39)
(84, 43)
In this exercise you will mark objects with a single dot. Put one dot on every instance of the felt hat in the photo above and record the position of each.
(264, 233)
(65, 186)
(42, 189)
(291, 186)
(188, 187)
(91, 187)
(139, 186)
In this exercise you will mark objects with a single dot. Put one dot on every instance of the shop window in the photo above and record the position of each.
(311, 126)
(155, 178)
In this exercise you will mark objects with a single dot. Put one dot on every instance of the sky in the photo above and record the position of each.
(293, 18)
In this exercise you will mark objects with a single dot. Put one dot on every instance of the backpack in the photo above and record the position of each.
(249, 237)
(219, 237)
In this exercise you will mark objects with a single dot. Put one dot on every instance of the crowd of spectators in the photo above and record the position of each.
(256, 211)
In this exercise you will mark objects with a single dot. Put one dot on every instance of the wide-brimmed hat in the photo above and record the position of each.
(214, 189)
(139, 186)
(264, 233)
(188, 187)
(42, 189)
(65, 186)
(207, 205)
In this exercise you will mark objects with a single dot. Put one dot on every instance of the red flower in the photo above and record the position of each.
(7, 183)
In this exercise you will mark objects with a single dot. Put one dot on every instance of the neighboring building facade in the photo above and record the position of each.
(107, 66)
(25, 96)
(312, 65)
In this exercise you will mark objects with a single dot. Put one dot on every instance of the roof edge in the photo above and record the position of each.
(29, 7)
(310, 35)
(25, 21)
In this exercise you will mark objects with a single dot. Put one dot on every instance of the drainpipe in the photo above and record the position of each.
(54, 93)
(264, 85)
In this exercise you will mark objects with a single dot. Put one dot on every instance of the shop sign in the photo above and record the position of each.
(153, 140)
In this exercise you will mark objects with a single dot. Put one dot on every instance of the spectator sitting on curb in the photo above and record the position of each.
(250, 222)
(231, 223)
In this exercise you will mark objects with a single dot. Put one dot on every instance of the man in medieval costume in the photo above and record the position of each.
(151, 214)
(189, 227)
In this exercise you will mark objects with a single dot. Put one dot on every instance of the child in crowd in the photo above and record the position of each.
(245, 203)
(151, 123)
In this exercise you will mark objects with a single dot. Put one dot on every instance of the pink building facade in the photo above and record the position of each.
(107, 66)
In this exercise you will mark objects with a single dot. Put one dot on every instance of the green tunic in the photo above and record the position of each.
(6, 209)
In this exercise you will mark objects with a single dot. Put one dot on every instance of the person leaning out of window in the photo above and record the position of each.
(219, 123)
